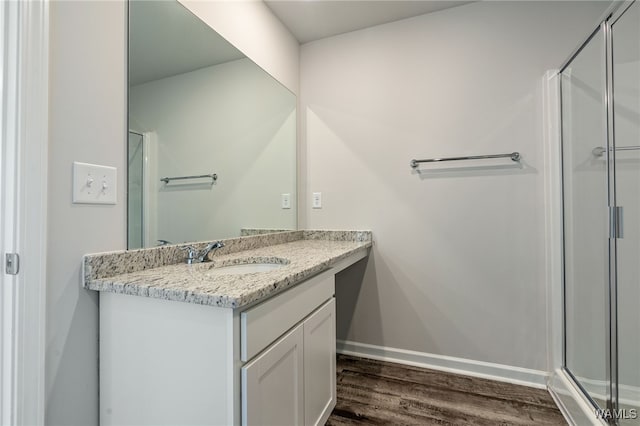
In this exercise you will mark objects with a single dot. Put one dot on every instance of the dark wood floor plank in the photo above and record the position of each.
(365, 413)
(389, 409)
(419, 398)
(458, 382)
(376, 392)
(337, 420)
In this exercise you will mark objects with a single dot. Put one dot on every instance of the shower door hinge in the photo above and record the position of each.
(12, 263)
(615, 222)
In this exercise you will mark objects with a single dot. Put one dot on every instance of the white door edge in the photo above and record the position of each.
(23, 197)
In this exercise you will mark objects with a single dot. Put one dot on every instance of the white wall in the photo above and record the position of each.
(458, 264)
(252, 28)
(87, 123)
(231, 119)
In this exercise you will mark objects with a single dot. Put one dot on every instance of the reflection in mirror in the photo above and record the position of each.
(198, 106)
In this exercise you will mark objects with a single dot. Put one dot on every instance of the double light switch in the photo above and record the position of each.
(94, 184)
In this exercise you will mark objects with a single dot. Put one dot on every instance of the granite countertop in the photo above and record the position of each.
(304, 255)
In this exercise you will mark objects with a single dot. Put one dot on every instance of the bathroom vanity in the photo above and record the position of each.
(248, 338)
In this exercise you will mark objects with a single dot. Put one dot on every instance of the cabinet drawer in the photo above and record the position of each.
(263, 324)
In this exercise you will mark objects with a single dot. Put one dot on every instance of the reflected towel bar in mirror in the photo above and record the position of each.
(515, 156)
(212, 176)
(599, 150)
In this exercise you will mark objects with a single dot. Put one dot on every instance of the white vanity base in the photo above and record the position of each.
(166, 362)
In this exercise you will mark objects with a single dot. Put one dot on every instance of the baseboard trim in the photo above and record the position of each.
(468, 367)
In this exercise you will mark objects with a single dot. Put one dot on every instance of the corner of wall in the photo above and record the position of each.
(254, 30)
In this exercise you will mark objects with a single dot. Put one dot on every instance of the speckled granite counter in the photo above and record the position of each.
(159, 272)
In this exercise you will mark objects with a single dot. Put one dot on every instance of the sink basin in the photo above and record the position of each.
(249, 267)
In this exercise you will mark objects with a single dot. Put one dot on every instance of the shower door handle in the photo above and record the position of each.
(616, 222)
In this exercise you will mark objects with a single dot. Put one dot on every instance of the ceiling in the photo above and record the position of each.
(310, 20)
(166, 39)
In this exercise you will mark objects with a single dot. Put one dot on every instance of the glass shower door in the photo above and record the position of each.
(600, 95)
(585, 194)
(626, 118)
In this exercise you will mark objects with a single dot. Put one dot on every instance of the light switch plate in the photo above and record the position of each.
(94, 184)
(317, 200)
(286, 201)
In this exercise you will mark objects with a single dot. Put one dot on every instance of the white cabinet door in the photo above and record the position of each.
(320, 364)
(272, 384)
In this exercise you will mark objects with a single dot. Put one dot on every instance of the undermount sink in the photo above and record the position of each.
(249, 267)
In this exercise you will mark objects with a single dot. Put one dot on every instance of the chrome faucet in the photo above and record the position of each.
(197, 256)
(202, 256)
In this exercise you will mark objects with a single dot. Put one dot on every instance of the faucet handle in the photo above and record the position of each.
(192, 252)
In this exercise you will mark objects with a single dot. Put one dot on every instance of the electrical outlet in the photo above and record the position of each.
(286, 201)
(317, 200)
(94, 184)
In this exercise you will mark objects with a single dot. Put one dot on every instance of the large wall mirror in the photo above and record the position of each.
(199, 107)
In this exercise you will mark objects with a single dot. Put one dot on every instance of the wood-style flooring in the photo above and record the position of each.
(381, 393)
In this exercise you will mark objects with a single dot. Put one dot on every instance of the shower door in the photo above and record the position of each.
(585, 194)
(625, 89)
(600, 95)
